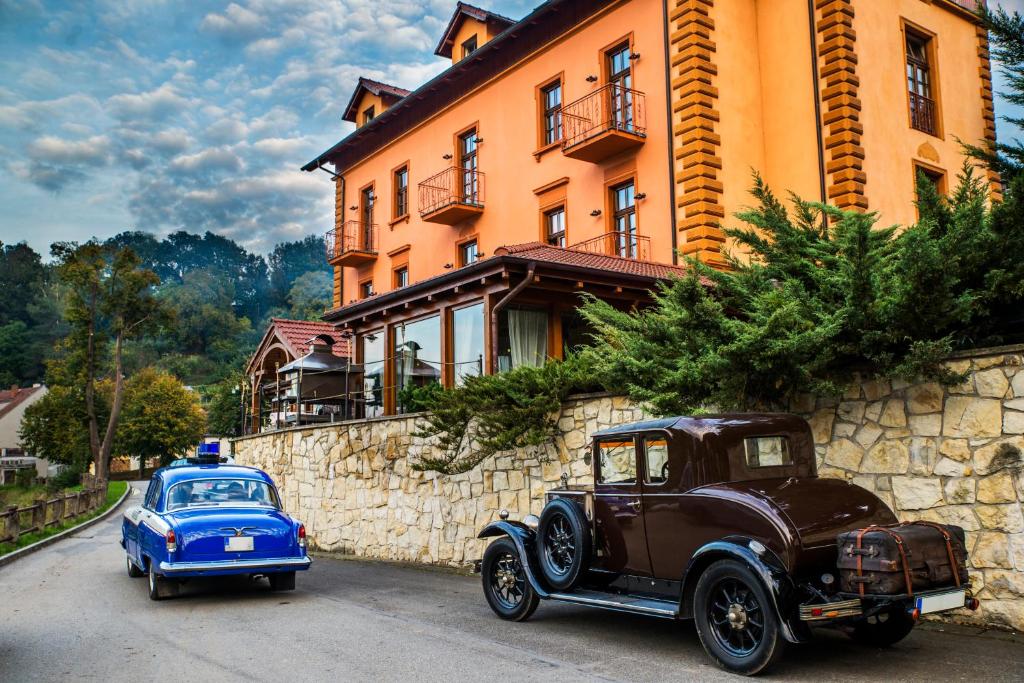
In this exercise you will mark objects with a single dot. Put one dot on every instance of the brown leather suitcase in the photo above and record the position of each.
(884, 560)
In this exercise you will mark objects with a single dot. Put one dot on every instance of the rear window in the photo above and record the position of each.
(616, 462)
(222, 492)
(767, 451)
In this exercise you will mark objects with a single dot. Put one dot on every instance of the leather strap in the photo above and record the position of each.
(954, 567)
(899, 546)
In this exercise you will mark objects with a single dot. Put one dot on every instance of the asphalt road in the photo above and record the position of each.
(71, 611)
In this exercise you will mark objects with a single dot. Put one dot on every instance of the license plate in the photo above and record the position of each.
(238, 544)
(942, 601)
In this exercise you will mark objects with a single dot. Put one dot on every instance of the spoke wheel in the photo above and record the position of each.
(508, 581)
(559, 545)
(506, 587)
(737, 617)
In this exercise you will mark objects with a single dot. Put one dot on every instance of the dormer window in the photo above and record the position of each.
(368, 115)
(469, 46)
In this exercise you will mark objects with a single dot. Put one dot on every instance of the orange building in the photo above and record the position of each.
(587, 145)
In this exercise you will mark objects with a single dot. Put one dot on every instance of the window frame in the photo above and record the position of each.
(363, 292)
(400, 273)
(546, 214)
(467, 51)
(461, 250)
(668, 457)
(369, 114)
(746, 452)
(396, 215)
(612, 186)
(597, 461)
(543, 111)
(909, 29)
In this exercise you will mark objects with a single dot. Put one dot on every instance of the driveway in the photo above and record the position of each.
(70, 610)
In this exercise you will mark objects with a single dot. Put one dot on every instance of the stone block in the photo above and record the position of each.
(916, 493)
(1013, 422)
(922, 398)
(947, 467)
(997, 488)
(844, 430)
(874, 411)
(991, 383)
(1001, 517)
(967, 416)
(1017, 384)
(876, 389)
(893, 415)
(960, 490)
(991, 550)
(851, 411)
(956, 449)
(868, 434)
(821, 424)
(961, 515)
(887, 457)
(925, 425)
(845, 454)
(922, 456)
(1001, 454)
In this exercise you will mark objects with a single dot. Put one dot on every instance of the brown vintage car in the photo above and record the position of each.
(723, 519)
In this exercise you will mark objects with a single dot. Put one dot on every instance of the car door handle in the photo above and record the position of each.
(635, 505)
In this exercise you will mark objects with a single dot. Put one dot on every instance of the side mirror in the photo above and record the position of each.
(588, 456)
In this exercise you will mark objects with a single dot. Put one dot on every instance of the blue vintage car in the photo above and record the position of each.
(211, 520)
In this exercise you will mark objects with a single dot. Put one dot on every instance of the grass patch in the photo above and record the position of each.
(115, 490)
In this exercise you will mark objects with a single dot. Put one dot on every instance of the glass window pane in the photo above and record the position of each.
(468, 342)
(373, 373)
(522, 338)
(656, 453)
(417, 356)
(616, 461)
(767, 451)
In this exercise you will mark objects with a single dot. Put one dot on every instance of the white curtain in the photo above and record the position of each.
(528, 337)
(468, 337)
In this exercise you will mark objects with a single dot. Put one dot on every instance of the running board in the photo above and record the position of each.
(620, 603)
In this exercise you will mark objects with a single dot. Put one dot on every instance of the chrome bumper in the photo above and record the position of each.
(221, 565)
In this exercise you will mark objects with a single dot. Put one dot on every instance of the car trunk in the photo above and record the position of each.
(203, 533)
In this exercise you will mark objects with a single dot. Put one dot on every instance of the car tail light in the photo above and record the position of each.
(172, 541)
(972, 604)
(302, 535)
(915, 614)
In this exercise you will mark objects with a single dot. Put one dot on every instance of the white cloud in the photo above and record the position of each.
(94, 151)
(213, 158)
(148, 106)
(236, 23)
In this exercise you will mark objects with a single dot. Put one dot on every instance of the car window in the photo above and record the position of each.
(616, 461)
(152, 493)
(656, 454)
(222, 491)
(767, 451)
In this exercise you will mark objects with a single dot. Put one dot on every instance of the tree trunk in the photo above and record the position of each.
(103, 461)
(90, 385)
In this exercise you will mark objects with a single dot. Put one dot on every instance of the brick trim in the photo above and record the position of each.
(696, 157)
(988, 108)
(837, 67)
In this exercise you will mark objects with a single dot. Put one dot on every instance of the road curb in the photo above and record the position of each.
(39, 545)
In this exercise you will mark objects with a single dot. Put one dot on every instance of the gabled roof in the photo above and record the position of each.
(462, 12)
(389, 93)
(294, 335)
(11, 398)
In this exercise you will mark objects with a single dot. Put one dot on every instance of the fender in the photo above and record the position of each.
(766, 565)
(524, 538)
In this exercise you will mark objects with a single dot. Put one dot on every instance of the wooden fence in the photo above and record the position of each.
(15, 522)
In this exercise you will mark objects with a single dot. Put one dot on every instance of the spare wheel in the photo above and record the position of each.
(563, 544)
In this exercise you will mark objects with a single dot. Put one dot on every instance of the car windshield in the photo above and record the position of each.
(225, 491)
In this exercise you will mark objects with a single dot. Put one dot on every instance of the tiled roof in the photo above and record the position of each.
(462, 9)
(375, 88)
(9, 398)
(539, 251)
(297, 333)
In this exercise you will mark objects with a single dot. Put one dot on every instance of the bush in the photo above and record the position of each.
(67, 478)
(24, 478)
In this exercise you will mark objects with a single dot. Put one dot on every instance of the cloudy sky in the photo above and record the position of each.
(162, 114)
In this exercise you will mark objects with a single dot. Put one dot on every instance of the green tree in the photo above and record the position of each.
(161, 418)
(1006, 33)
(813, 305)
(22, 277)
(224, 406)
(205, 321)
(110, 301)
(56, 427)
(290, 260)
(310, 295)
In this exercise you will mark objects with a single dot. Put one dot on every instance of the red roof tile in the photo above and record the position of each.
(539, 251)
(383, 90)
(463, 9)
(297, 333)
(9, 398)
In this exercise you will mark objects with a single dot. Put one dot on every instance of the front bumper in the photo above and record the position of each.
(221, 567)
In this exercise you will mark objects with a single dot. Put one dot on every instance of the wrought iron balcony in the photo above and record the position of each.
(624, 244)
(922, 114)
(452, 196)
(353, 244)
(608, 121)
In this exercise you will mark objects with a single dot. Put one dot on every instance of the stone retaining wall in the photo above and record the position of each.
(944, 454)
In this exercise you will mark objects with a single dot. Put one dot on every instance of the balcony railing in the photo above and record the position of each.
(452, 195)
(625, 244)
(354, 243)
(607, 121)
(922, 113)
